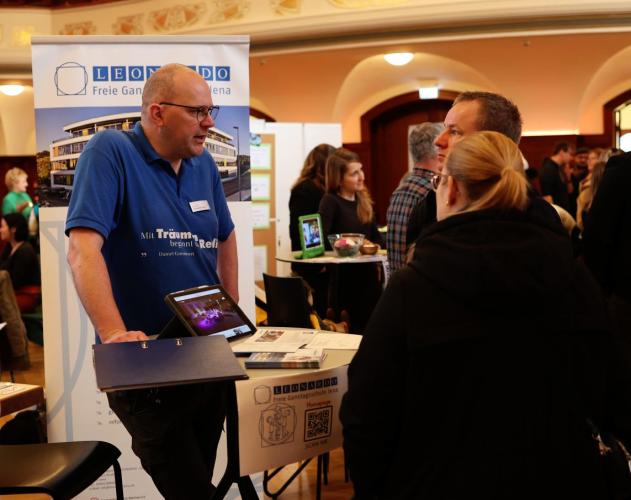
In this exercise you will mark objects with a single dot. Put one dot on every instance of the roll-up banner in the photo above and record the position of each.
(83, 85)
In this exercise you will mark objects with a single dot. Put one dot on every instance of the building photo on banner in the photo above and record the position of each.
(83, 85)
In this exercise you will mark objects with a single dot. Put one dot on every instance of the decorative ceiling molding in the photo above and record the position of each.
(293, 26)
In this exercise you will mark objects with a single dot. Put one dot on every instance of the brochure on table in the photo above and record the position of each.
(279, 340)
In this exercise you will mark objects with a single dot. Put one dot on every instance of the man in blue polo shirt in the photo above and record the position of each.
(147, 217)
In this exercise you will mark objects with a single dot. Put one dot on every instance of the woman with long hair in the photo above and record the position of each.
(21, 261)
(304, 199)
(487, 364)
(585, 199)
(346, 207)
(308, 189)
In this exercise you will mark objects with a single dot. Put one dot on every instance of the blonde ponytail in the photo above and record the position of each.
(490, 168)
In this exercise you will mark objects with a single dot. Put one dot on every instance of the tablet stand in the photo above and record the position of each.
(174, 329)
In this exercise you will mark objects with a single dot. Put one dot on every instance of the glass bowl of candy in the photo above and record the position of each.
(346, 244)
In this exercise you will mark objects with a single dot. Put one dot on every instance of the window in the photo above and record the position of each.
(622, 126)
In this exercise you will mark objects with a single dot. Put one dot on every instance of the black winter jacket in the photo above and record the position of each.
(479, 367)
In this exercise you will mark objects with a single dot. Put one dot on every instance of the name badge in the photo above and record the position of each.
(199, 206)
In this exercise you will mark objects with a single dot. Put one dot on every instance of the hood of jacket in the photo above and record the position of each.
(497, 261)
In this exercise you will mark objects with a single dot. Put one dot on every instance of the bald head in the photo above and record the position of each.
(161, 85)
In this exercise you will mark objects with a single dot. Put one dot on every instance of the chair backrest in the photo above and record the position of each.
(287, 303)
(61, 470)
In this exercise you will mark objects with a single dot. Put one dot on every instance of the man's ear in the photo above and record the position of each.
(155, 114)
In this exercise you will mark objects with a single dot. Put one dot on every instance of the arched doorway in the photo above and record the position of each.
(384, 148)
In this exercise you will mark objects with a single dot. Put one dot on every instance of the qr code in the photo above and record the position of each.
(318, 423)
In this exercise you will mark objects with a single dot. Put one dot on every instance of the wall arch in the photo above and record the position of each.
(373, 81)
(612, 79)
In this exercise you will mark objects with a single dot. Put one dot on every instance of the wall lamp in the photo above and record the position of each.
(428, 88)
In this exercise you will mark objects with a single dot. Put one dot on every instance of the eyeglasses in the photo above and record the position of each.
(435, 180)
(202, 111)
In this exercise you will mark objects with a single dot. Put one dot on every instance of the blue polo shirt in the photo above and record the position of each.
(155, 241)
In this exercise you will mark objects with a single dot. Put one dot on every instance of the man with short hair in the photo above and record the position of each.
(411, 191)
(472, 112)
(556, 183)
(147, 217)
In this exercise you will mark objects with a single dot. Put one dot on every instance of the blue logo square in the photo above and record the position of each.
(136, 73)
(151, 70)
(327, 382)
(118, 73)
(334, 381)
(295, 387)
(206, 72)
(100, 74)
(319, 384)
(286, 389)
(303, 386)
(222, 73)
(277, 389)
(311, 385)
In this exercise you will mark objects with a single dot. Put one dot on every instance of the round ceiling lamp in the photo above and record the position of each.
(399, 58)
(12, 90)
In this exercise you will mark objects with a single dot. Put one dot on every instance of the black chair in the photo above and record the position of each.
(287, 303)
(61, 470)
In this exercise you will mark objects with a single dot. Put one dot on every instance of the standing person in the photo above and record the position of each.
(580, 170)
(607, 242)
(17, 199)
(589, 188)
(347, 208)
(485, 396)
(148, 216)
(304, 199)
(411, 191)
(472, 112)
(556, 181)
(21, 261)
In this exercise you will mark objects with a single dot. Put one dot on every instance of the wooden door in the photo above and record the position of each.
(389, 146)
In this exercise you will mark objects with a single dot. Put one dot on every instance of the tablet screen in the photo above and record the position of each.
(311, 232)
(209, 310)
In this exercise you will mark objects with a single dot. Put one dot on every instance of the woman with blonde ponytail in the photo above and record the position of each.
(486, 172)
(486, 355)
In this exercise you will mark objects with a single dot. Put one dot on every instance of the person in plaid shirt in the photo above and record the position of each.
(411, 191)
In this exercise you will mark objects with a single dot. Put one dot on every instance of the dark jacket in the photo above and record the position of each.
(424, 215)
(340, 216)
(478, 368)
(23, 265)
(553, 184)
(607, 237)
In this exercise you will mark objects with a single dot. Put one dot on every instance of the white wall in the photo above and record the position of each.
(17, 124)
(293, 143)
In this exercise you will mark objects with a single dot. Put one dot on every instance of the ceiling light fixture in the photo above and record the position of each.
(399, 58)
(12, 90)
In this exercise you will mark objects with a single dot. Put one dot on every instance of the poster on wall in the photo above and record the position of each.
(83, 85)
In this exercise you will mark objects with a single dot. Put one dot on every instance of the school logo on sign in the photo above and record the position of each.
(71, 78)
